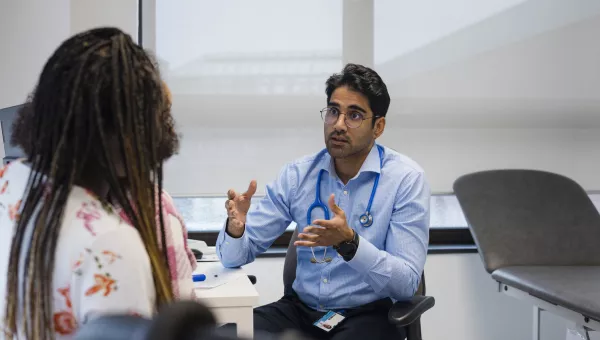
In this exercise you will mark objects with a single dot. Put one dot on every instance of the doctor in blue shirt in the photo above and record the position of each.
(362, 210)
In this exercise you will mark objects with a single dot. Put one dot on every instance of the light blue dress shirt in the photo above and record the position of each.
(391, 253)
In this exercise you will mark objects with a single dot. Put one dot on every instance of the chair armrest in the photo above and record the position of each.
(252, 279)
(403, 313)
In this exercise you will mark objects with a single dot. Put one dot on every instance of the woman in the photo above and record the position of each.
(96, 123)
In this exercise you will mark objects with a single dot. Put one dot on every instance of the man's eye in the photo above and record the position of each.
(356, 116)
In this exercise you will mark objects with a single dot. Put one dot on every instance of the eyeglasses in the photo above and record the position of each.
(353, 119)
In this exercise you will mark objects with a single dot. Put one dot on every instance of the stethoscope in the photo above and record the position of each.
(366, 219)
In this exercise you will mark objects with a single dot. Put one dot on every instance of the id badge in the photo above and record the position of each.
(329, 321)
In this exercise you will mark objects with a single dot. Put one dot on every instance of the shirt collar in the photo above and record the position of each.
(371, 163)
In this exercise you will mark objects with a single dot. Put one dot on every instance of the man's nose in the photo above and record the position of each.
(340, 124)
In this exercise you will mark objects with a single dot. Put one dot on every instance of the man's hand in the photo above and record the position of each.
(237, 207)
(327, 232)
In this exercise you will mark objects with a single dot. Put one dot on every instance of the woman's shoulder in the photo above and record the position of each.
(168, 203)
(91, 216)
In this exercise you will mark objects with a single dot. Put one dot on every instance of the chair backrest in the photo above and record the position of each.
(528, 217)
(291, 259)
(289, 265)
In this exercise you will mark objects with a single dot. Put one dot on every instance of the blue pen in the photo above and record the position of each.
(198, 277)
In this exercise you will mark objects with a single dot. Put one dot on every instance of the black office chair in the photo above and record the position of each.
(404, 314)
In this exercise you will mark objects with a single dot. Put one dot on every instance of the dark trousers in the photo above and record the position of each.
(365, 322)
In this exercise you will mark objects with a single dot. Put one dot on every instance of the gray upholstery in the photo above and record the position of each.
(575, 288)
(529, 218)
(289, 265)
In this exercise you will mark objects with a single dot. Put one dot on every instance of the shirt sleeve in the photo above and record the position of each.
(182, 270)
(113, 276)
(397, 269)
(266, 221)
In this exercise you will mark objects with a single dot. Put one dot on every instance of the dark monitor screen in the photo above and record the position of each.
(7, 117)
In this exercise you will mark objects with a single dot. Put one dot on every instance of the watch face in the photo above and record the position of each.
(347, 248)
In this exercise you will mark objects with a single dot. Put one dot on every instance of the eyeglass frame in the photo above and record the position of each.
(374, 116)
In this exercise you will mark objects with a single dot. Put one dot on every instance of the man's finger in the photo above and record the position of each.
(251, 189)
(305, 244)
(308, 237)
(314, 230)
(334, 207)
(231, 194)
(231, 210)
(231, 213)
(324, 223)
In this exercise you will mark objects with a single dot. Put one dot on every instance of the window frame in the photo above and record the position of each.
(455, 238)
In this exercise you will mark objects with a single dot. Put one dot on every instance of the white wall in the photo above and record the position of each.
(86, 14)
(31, 30)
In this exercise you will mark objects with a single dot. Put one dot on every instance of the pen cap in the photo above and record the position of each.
(198, 277)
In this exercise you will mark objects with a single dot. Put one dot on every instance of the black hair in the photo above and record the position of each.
(99, 102)
(364, 80)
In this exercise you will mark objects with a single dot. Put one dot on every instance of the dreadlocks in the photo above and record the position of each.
(99, 113)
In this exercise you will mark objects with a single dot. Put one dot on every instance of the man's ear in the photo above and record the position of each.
(379, 127)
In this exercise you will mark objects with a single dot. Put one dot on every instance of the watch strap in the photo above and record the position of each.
(348, 249)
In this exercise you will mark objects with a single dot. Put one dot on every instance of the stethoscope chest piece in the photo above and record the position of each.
(366, 220)
(325, 260)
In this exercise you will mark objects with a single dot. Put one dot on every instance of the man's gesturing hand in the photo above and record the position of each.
(327, 232)
(237, 206)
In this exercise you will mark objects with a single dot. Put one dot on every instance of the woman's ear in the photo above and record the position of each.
(379, 127)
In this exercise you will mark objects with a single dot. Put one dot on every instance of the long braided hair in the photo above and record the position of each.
(96, 114)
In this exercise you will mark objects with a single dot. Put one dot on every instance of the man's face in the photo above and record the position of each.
(343, 141)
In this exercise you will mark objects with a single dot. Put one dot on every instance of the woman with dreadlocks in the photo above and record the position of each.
(97, 122)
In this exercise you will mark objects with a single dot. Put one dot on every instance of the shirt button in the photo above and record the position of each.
(345, 192)
(324, 280)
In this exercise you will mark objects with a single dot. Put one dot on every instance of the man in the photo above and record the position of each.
(365, 254)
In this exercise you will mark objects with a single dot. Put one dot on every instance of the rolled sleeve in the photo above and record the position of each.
(265, 221)
(231, 251)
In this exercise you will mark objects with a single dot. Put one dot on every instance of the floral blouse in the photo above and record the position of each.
(101, 264)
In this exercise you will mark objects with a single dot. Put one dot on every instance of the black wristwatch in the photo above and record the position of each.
(348, 249)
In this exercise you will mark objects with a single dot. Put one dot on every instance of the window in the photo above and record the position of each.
(416, 24)
(244, 74)
(238, 47)
(207, 214)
